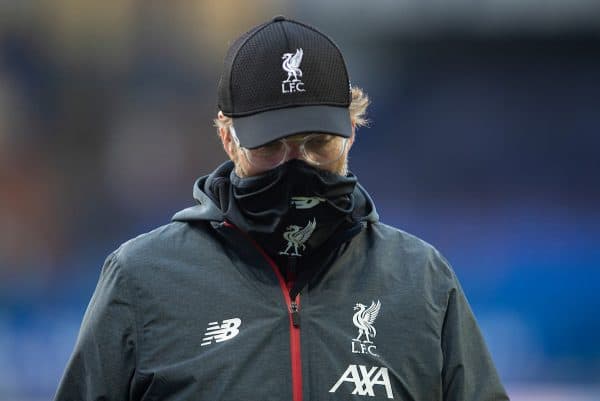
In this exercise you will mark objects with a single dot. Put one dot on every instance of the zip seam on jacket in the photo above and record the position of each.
(295, 357)
(295, 351)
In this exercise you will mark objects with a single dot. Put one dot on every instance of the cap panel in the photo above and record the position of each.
(324, 67)
(256, 73)
(224, 101)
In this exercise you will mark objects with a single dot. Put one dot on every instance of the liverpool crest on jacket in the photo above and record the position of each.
(364, 320)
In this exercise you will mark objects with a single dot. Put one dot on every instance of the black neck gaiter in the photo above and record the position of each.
(291, 210)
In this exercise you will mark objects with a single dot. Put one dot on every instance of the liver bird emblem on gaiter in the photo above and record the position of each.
(296, 236)
(364, 319)
(291, 65)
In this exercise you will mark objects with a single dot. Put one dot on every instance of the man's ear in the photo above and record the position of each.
(226, 138)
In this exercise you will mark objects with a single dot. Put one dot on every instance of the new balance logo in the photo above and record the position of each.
(306, 202)
(365, 379)
(228, 329)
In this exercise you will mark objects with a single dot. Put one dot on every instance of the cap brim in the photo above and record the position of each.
(261, 128)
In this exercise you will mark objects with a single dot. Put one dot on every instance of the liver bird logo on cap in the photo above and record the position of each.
(291, 65)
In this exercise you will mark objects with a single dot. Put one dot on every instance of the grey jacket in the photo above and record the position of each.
(194, 310)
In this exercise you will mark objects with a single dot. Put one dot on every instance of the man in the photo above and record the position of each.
(280, 283)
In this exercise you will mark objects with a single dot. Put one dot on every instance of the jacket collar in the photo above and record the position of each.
(206, 209)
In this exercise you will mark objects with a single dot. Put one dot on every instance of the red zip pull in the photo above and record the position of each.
(295, 311)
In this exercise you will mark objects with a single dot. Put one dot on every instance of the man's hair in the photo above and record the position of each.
(358, 110)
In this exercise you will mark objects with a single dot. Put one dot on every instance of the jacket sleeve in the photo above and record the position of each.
(103, 361)
(468, 373)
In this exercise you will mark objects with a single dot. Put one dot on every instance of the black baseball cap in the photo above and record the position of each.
(282, 78)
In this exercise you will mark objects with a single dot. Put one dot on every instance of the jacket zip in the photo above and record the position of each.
(294, 317)
(293, 307)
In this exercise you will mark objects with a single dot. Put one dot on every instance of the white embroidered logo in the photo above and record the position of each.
(365, 379)
(306, 202)
(364, 319)
(228, 329)
(291, 65)
(296, 236)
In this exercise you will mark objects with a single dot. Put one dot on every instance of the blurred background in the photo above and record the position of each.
(484, 141)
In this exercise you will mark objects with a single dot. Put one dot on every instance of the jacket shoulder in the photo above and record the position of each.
(167, 241)
(412, 251)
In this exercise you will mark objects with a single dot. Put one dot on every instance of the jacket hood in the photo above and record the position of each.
(206, 208)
